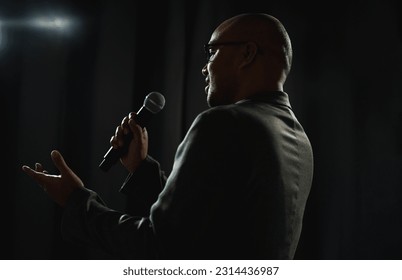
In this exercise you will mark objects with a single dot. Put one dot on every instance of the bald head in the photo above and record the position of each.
(247, 54)
(265, 30)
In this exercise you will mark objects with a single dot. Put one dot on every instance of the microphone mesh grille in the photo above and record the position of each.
(154, 102)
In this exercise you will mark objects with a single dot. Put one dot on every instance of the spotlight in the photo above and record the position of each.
(47, 25)
(56, 23)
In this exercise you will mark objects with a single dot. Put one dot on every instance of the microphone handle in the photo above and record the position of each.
(113, 155)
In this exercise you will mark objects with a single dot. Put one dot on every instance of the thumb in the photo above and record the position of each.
(59, 162)
(65, 171)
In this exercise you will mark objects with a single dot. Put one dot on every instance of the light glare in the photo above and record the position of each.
(51, 23)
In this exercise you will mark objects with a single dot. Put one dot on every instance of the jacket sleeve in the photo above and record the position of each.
(89, 222)
(143, 187)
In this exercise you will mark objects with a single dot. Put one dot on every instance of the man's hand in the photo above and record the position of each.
(138, 148)
(58, 187)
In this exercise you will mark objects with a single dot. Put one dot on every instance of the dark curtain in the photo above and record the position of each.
(68, 90)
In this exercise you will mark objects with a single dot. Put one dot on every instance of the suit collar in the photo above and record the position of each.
(273, 97)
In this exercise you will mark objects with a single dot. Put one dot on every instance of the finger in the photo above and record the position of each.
(59, 162)
(39, 177)
(124, 121)
(26, 169)
(124, 125)
(145, 133)
(134, 127)
(38, 167)
(64, 169)
(113, 142)
(116, 142)
(132, 116)
(30, 171)
(119, 136)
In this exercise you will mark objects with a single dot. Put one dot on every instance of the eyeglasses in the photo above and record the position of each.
(208, 48)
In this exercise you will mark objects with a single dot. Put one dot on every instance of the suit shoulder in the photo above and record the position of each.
(226, 113)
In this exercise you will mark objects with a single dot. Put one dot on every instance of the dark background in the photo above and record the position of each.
(69, 88)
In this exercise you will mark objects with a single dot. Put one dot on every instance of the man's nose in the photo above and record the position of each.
(204, 70)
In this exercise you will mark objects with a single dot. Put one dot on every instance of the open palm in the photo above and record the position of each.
(58, 187)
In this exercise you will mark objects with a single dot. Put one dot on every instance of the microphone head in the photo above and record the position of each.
(154, 102)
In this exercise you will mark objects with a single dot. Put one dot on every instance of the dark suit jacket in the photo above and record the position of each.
(237, 190)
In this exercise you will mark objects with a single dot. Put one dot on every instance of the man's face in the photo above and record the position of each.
(220, 71)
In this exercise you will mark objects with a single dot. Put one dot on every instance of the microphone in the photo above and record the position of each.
(153, 103)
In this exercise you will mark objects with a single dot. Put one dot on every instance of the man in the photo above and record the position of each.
(240, 179)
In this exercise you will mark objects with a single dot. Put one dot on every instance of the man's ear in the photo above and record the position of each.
(249, 53)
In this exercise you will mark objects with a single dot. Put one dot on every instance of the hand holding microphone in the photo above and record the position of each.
(132, 131)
